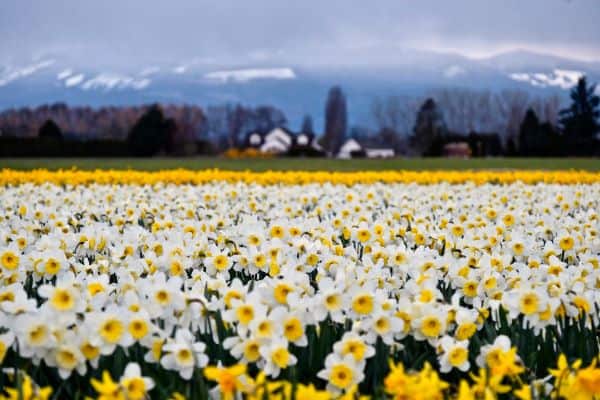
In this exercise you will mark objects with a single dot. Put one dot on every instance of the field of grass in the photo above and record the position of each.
(151, 164)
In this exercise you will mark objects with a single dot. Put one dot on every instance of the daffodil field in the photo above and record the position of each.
(299, 285)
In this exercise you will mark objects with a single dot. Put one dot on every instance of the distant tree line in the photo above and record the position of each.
(510, 122)
(141, 131)
(227, 125)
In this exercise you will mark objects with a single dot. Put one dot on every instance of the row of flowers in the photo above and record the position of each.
(568, 382)
(326, 291)
(183, 176)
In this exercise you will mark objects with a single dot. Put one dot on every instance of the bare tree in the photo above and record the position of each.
(395, 113)
(552, 107)
(512, 106)
(467, 110)
(336, 120)
(547, 108)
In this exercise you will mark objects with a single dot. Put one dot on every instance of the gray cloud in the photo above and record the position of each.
(134, 33)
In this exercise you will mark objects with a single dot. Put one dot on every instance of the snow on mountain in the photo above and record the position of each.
(64, 74)
(105, 81)
(150, 71)
(11, 74)
(523, 60)
(562, 78)
(454, 71)
(74, 80)
(245, 75)
(108, 81)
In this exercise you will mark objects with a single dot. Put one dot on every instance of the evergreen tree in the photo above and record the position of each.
(50, 130)
(336, 120)
(150, 133)
(539, 139)
(529, 134)
(429, 130)
(552, 141)
(580, 120)
(511, 148)
(307, 125)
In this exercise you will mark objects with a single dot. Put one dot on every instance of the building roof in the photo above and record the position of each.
(350, 145)
(280, 134)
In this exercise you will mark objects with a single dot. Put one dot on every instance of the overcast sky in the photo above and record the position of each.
(245, 32)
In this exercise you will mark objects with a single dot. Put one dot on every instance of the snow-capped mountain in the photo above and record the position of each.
(246, 75)
(296, 89)
(562, 78)
(541, 70)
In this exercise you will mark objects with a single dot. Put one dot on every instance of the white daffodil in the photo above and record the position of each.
(382, 325)
(63, 297)
(454, 354)
(111, 327)
(341, 373)
(276, 357)
(183, 354)
(355, 345)
(135, 385)
(488, 354)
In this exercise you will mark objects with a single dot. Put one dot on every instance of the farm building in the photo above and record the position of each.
(353, 149)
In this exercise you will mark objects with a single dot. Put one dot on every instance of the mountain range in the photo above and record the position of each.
(296, 89)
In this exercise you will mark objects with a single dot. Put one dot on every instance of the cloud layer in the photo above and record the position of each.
(136, 33)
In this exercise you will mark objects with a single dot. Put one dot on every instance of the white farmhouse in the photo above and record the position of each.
(277, 141)
(379, 153)
(352, 149)
(349, 148)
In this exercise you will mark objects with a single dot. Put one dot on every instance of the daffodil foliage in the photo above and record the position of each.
(183, 286)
